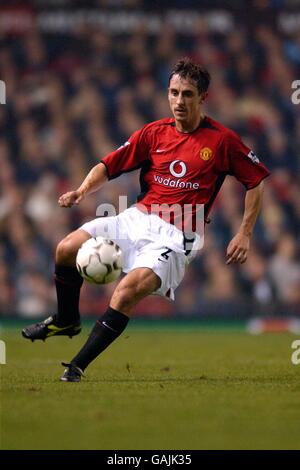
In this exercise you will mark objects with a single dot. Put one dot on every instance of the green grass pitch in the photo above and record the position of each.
(154, 388)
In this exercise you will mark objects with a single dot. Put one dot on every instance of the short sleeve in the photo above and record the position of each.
(242, 162)
(129, 156)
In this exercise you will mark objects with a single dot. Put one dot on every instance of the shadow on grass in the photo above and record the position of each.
(288, 378)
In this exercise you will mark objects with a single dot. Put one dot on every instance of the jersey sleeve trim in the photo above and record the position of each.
(107, 172)
(123, 172)
(257, 183)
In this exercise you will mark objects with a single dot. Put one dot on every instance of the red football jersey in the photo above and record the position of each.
(185, 168)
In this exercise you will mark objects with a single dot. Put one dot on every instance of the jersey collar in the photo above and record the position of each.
(204, 123)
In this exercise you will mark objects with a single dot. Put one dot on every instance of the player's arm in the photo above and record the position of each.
(93, 181)
(238, 248)
(126, 158)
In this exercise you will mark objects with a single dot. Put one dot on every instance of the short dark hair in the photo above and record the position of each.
(186, 68)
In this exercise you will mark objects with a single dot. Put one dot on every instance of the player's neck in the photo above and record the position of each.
(188, 126)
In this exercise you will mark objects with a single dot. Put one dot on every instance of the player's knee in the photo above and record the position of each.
(66, 251)
(125, 298)
(128, 295)
(146, 285)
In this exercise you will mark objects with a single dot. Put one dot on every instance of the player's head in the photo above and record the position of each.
(197, 75)
(188, 85)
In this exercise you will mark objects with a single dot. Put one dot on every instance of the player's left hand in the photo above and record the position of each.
(238, 248)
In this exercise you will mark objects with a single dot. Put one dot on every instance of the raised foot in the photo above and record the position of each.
(50, 327)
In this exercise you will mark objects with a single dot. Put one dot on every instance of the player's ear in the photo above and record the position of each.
(203, 96)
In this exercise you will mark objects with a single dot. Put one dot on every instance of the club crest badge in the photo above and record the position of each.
(206, 153)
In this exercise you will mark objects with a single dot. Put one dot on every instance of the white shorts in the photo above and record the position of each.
(147, 241)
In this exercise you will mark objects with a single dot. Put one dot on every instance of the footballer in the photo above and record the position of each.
(182, 160)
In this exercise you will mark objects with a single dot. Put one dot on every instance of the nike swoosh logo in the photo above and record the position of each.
(159, 150)
(107, 326)
(55, 329)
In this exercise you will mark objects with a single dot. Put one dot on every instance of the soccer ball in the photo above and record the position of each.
(99, 260)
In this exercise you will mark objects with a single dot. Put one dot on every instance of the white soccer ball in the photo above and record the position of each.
(99, 260)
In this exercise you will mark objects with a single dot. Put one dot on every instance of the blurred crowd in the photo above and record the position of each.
(71, 99)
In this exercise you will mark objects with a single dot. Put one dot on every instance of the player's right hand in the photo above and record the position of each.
(70, 198)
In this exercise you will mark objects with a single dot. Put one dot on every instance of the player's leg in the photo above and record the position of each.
(68, 283)
(132, 288)
(136, 285)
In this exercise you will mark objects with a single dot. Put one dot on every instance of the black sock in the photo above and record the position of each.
(105, 331)
(68, 283)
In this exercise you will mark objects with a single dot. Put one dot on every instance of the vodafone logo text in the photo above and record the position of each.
(176, 183)
(178, 169)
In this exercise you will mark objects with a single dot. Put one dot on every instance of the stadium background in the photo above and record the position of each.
(82, 76)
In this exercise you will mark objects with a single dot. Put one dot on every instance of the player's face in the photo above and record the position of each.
(185, 103)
